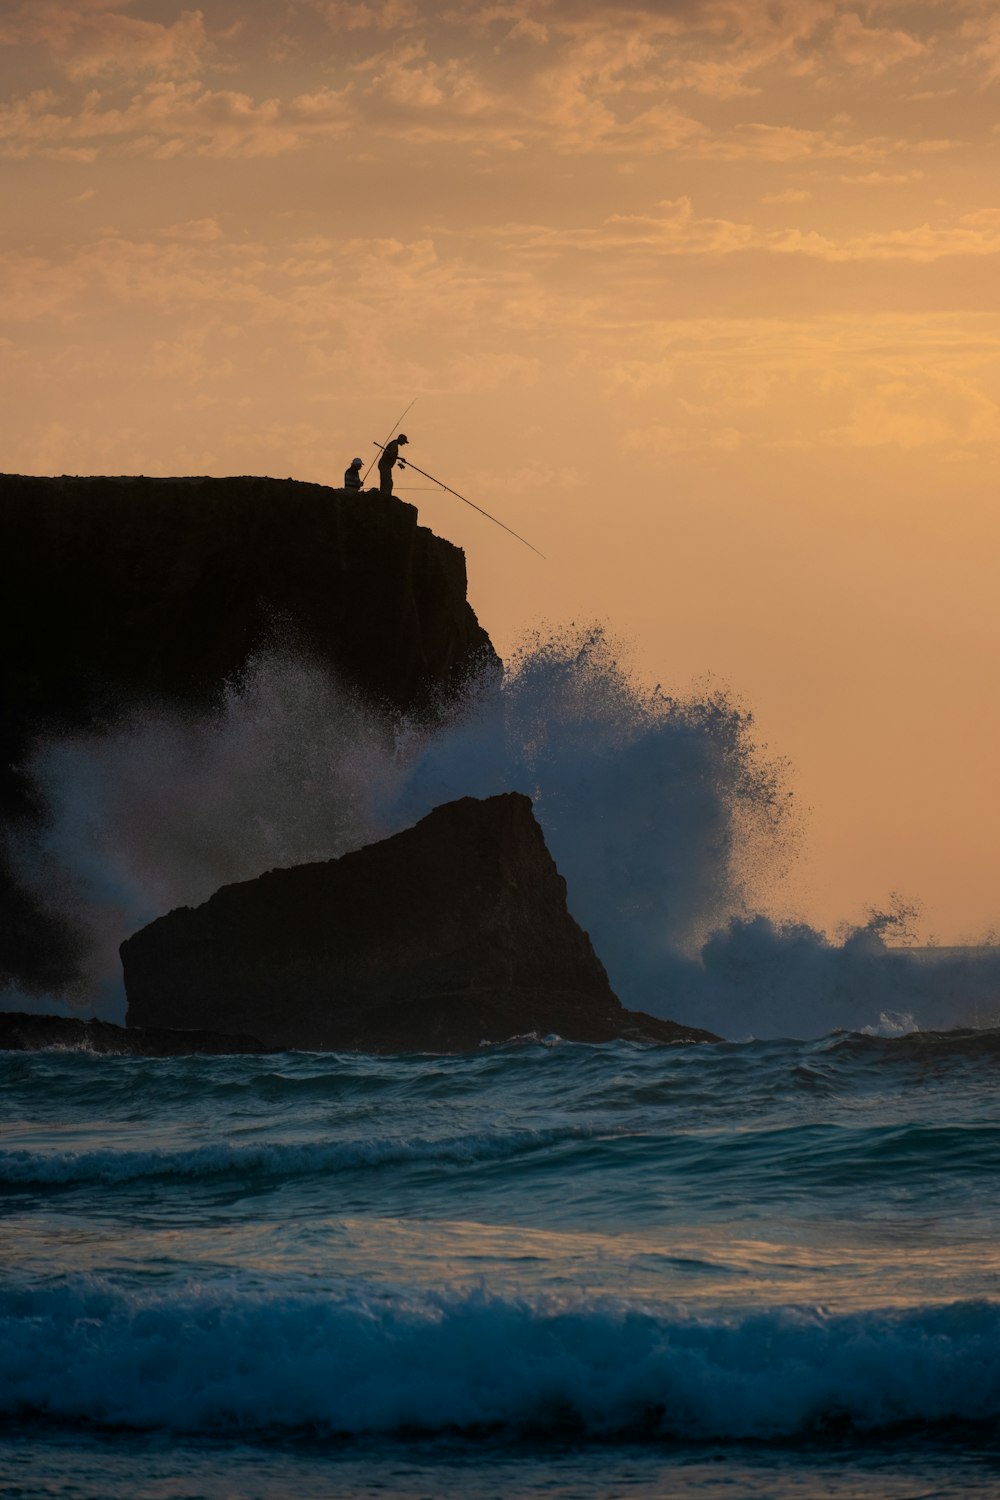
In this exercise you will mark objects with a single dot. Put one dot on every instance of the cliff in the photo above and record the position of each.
(117, 592)
(449, 934)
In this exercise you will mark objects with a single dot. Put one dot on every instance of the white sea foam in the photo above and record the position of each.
(364, 1360)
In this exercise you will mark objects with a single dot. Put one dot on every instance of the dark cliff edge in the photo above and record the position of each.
(117, 592)
(448, 935)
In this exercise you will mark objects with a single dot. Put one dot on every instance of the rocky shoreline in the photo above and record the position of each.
(21, 1032)
(118, 594)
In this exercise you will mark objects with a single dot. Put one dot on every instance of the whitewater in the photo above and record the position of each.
(766, 1266)
(618, 1269)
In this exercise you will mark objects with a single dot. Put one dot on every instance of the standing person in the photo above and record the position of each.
(352, 475)
(390, 456)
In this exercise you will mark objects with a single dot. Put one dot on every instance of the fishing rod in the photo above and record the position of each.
(482, 512)
(395, 428)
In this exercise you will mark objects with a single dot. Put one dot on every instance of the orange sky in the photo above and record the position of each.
(702, 296)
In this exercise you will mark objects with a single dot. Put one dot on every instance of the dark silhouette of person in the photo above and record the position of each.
(352, 475)
(389, 457)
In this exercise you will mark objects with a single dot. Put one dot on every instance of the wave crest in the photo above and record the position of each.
(365, 1361)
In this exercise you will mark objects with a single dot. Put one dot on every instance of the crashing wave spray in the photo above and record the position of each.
(164, 807)
(767, 979)
(667, 820)
(650, 804)
(659, 811)
(671, 826)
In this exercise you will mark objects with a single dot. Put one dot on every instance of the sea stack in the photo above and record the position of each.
(453, 933)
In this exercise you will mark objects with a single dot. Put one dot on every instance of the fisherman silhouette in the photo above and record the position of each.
(390, 456)
(352, 475)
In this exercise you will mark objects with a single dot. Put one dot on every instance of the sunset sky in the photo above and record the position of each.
(702, 296)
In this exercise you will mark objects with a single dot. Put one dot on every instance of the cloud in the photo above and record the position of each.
(908, 382)
(661, 439)
(278, 327)
(161, 276)
(90, 38)
(923, 410)
(755, 141)
(582, 98)
(589, 97)
(451, 89)
(367, 15)
(984, 31)
(969, 235)
(171, 119)
(872, 48)
(309, 287)
(576, 78)
(197, 354)
(487, 371)
(673, 228)
(720, 48)
(787, 195)
(596, 78)
(879, 179)
(556, 279)
(199, 231)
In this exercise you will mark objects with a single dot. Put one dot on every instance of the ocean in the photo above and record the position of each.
(766, 1266)
(737, 1269)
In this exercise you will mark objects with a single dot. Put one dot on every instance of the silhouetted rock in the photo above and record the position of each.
(450, 934)
(20, 1032)
(121, 592)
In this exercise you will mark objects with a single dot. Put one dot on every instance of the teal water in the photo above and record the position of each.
(769, 1268)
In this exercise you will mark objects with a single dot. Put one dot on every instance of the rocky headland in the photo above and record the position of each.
(124, 594)
(119, 593)
(448, 935)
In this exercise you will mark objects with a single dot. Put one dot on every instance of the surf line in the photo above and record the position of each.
(482, 512)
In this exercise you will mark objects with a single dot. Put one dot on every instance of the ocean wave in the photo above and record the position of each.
(773, 1160)
(23, 1168)
(964, 1042)
(390, 1361)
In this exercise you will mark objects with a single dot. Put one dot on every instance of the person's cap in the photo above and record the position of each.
(402, 438)
(356, 463)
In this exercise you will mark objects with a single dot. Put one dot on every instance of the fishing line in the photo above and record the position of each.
(467, 501)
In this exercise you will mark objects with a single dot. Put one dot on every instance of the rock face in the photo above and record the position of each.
(116, 592)
(452, 933)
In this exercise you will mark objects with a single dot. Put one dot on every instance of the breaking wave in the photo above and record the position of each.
(371, 1359)
(668, 820)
